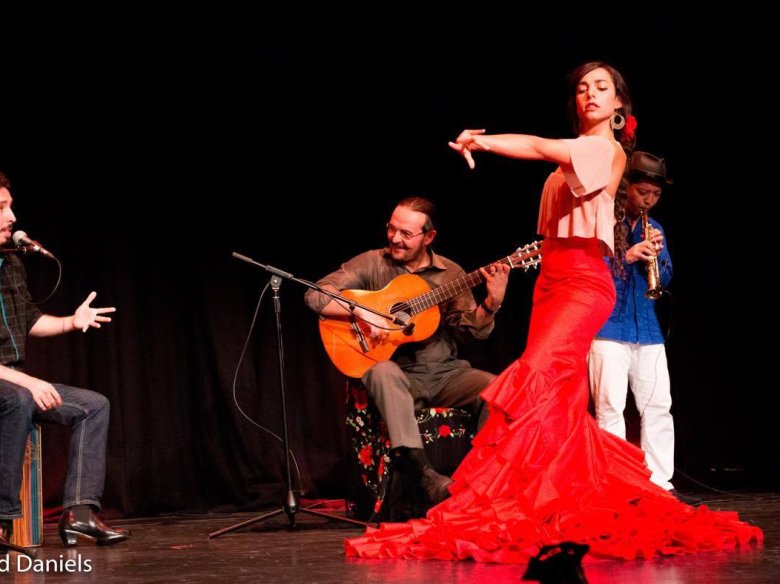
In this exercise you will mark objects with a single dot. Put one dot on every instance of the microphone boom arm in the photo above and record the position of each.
(351, 304)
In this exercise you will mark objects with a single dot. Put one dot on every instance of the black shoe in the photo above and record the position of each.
(687, 499)
(92, 528)
(6, 531)
(435, 485)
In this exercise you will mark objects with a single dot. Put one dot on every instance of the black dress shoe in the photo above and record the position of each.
(435, 485)
(687, 499)
(93, 528)
(6, 531)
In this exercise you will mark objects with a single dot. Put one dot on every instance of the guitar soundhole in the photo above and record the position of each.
(400, 310)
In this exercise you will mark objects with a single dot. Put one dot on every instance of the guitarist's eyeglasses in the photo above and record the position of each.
(405, 235)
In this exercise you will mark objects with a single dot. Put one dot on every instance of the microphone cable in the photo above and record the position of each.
(28, 299)
(235, 385)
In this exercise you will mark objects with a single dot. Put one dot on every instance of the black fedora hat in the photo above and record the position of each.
(648, 166)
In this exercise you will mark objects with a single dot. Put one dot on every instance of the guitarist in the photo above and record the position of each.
(427, 372)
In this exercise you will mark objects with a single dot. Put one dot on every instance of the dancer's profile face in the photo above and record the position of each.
(596, 98)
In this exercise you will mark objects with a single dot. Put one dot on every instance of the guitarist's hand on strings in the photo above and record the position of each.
(496, 279)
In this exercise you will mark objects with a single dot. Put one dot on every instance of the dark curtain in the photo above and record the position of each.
(143, 165)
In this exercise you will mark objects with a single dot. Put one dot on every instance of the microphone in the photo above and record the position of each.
(22, 240)
(361, 338)
(404, 320)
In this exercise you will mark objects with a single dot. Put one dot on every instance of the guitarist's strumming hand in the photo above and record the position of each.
(496, 279)
(373, 325)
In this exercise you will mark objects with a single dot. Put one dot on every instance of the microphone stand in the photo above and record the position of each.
(291, 505)
(351, 304)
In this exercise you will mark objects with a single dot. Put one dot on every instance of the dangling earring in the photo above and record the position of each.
(617, 121)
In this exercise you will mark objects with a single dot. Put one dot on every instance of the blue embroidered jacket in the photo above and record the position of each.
(634, 320)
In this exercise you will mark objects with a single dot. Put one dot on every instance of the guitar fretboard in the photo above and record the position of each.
(449, 290)
(443, 293)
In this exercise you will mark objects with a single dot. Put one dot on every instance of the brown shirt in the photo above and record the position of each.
(375, 269)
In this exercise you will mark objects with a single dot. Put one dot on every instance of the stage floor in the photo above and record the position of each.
(177, 549)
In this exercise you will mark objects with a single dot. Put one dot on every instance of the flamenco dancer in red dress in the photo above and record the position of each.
(541, 472)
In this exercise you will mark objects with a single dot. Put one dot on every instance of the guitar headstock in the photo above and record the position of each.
(527, 256)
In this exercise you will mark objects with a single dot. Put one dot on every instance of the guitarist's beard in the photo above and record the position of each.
(408, 256)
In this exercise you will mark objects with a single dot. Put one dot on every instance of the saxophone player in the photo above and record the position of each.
(629, 350)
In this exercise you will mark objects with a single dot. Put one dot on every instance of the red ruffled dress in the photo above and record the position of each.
(541, 471)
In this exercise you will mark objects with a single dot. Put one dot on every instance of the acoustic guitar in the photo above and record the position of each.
(411, 301)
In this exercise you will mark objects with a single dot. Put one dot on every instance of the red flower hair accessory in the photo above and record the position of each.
(630, 130)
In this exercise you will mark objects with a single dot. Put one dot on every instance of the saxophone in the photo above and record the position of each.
(654, 290)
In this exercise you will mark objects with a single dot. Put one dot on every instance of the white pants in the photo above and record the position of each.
(613, 366)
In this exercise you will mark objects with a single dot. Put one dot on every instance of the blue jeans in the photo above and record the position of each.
(86, 412)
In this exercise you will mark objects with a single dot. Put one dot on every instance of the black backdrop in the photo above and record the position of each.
(144, 156)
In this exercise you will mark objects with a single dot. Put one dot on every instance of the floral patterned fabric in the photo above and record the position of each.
(446, 435)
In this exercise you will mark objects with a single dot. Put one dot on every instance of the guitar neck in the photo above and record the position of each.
(448, 290)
